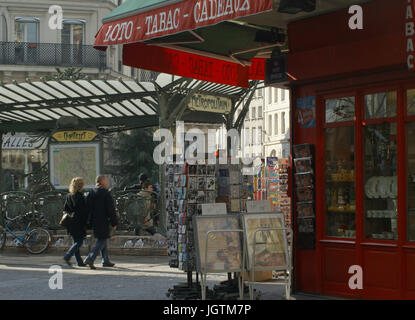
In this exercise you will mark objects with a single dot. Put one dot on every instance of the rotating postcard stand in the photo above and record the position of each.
(219, 248)
(272, 252)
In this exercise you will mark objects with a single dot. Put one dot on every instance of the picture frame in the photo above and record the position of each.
(224, 248)
(271, 252)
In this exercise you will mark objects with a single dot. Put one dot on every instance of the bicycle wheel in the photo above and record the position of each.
(37, 241)
(3, 237)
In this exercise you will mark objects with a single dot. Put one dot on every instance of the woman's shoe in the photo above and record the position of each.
(82, 265)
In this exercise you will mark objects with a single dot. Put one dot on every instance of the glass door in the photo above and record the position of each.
(26, 37)
(72, 43)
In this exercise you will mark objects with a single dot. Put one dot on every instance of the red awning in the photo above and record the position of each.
(183, 16)
(187, 15)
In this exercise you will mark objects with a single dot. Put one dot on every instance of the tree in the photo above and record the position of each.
(134, 151)
(67, 74)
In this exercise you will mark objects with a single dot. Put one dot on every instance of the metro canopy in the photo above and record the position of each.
(184, 16)
(136, 25)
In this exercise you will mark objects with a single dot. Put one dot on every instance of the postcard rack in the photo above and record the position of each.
(287, 268)
(204, 270)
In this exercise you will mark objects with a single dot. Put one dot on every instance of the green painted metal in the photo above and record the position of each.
(133, 7)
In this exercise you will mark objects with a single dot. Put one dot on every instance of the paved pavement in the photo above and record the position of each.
(26, 277)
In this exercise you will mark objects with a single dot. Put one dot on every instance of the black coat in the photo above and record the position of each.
(77, 225)
(101, 212)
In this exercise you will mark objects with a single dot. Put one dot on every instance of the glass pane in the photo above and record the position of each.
(341, 109)
(31, 32)
(410, 101)
(380, 105)
(380, 181)
(19, 35)
(340, 182)
(410, 156)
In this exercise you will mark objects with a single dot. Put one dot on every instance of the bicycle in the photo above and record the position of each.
(35, 240)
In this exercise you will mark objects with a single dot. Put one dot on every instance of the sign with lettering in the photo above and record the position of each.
(170, 19)
(258, 206)
(207, 103)
(410, 34)
(213, 208)
(74, 135)
(276, 70)
(140, 55)
(22, 142)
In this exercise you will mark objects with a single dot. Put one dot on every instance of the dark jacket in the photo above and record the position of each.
(101, 212)
(76, 203)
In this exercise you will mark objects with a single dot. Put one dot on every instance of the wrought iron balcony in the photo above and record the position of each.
(51, 54)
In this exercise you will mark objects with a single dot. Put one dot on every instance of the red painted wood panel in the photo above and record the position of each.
(380, 268)
(409, 258)
(305, 271)
(336, 263)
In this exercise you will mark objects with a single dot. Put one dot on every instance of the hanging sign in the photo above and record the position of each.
(175, 18)
(410, 34)
(22, 142)
(74, 135)
(207, 103)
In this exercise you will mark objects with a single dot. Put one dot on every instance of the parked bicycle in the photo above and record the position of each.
(35, 240)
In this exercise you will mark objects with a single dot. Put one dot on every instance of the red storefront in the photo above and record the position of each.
(362, 94)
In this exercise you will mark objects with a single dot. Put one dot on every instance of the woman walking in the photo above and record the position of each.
(76, 227)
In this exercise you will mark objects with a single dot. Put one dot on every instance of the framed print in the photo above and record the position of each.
(224, 252)
(303, 180)
(305, 194)
(271, 249)
(302, 150)
(303, 165)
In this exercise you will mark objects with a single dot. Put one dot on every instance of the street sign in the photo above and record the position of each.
(74, 135)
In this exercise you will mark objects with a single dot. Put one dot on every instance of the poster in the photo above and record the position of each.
(271, 249)
(306, 112)
(224, 253)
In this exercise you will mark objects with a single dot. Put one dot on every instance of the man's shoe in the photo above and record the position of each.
(67, 262)
(90, 264)
(82, 265)
(109, 264)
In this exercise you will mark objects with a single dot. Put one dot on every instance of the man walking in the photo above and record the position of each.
(101, 216)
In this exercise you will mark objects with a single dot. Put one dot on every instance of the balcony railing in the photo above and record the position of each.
(51, 54)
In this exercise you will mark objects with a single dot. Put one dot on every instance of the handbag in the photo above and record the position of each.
(66, 217)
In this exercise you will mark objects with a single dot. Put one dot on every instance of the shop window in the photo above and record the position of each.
(410, 97)
(340, 182)
(341, 109)
(380, 180)
(380, 105)
(410, 156)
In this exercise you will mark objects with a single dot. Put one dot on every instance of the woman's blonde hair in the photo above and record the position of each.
(76, 185)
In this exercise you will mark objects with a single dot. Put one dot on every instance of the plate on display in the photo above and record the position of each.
(383, 187)
(394, 190)
(368, 188)
(374, 187)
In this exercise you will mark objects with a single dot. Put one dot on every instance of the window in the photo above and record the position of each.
(253, 113)
(252, 136)
(26, 30)
(282, 95)
(3, 29)
(341, 109)
(259, 135)
(283, 123)
(275, 95)
(269, 95)
(260, 112)
(380, 105)
(276, 124)
(269, 131)
(259, 93)
(410, 165)
(340, 182)
(73, 38)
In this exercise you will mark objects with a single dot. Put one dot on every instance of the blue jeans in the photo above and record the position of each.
(100, 245)
(74, 250)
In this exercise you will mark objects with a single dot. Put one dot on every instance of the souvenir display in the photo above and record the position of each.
(224, 250)
(304, 194)
(271, 247)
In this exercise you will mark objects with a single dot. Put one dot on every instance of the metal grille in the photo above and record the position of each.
(51, 54)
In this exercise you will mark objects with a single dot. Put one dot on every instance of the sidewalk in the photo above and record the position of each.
(25, 277)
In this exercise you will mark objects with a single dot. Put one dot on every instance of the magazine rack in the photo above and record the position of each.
(287, 268)
(204, 271)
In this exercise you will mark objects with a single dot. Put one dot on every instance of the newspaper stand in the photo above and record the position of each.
(204, 272)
